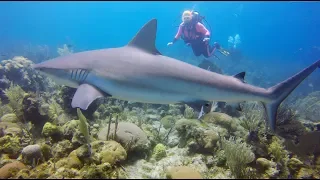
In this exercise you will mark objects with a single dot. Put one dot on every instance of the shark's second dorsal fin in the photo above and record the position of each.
(240, 76)
(145, 39)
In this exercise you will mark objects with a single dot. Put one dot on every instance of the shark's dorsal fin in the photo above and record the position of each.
(240, 76)
(145, 39)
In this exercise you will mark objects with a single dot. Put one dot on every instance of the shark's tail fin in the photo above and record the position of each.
(280, 91)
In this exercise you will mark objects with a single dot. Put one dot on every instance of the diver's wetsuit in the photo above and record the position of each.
(201, 48)
(194, 35)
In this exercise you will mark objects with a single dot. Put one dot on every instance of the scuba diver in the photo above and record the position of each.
(194, 33)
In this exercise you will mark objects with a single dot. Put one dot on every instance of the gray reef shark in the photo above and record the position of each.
(139, 72)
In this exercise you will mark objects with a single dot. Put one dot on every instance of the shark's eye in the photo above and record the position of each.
(207, 105)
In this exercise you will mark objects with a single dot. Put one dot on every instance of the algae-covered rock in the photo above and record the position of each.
(62, 149)
(183, 172)
(167, 121)
(102, 171)
(185, 125)
(51, 130)
(72, 161)
(305, 173)
(10, 145)
(128, 135)
(294, 165)
(9, 118)
(159, 151)
(10, 169)
(222, 120)
(203, 141)
(267, 168)
(10, 128)
(46, 151)
(109, 152)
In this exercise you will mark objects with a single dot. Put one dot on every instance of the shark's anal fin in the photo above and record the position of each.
(145, 39)
(240, 76)
(85, 95)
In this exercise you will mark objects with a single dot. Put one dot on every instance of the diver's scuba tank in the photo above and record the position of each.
(196, 17)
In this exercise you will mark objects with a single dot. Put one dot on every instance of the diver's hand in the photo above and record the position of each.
(206, 39)
(170, 43)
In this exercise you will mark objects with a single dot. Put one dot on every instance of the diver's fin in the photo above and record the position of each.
(145, 39)
(240, 76)
(224, 52)
(84, 96)
(280, 91)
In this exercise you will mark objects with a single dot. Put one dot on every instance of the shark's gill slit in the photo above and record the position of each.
(75, 76)
(80, 75)
(71, 74)
(86, 75)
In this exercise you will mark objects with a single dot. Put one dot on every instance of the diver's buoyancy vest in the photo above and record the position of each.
(191, 30)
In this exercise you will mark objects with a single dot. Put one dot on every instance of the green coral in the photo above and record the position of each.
(220, 158)
(276, 149)
(159, 151)
(54, 111)
(5, 109)
(188, 112)
(253, 116)
(238, 155)
(279, 155)
(15, 95)
(83, 127)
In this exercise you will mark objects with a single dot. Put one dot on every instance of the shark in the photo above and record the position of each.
(138, 72)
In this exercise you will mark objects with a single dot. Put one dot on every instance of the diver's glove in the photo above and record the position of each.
(206, 39)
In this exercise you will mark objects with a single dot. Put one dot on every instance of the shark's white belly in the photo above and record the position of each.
(134, 92)
(158, 91)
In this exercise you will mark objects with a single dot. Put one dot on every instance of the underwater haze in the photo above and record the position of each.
(42, 136)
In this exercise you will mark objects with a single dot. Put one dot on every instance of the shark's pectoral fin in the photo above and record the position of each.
(240, 76)
(145, 39)
(85, 95)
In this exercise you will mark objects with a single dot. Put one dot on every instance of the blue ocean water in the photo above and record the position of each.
(278, 38)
